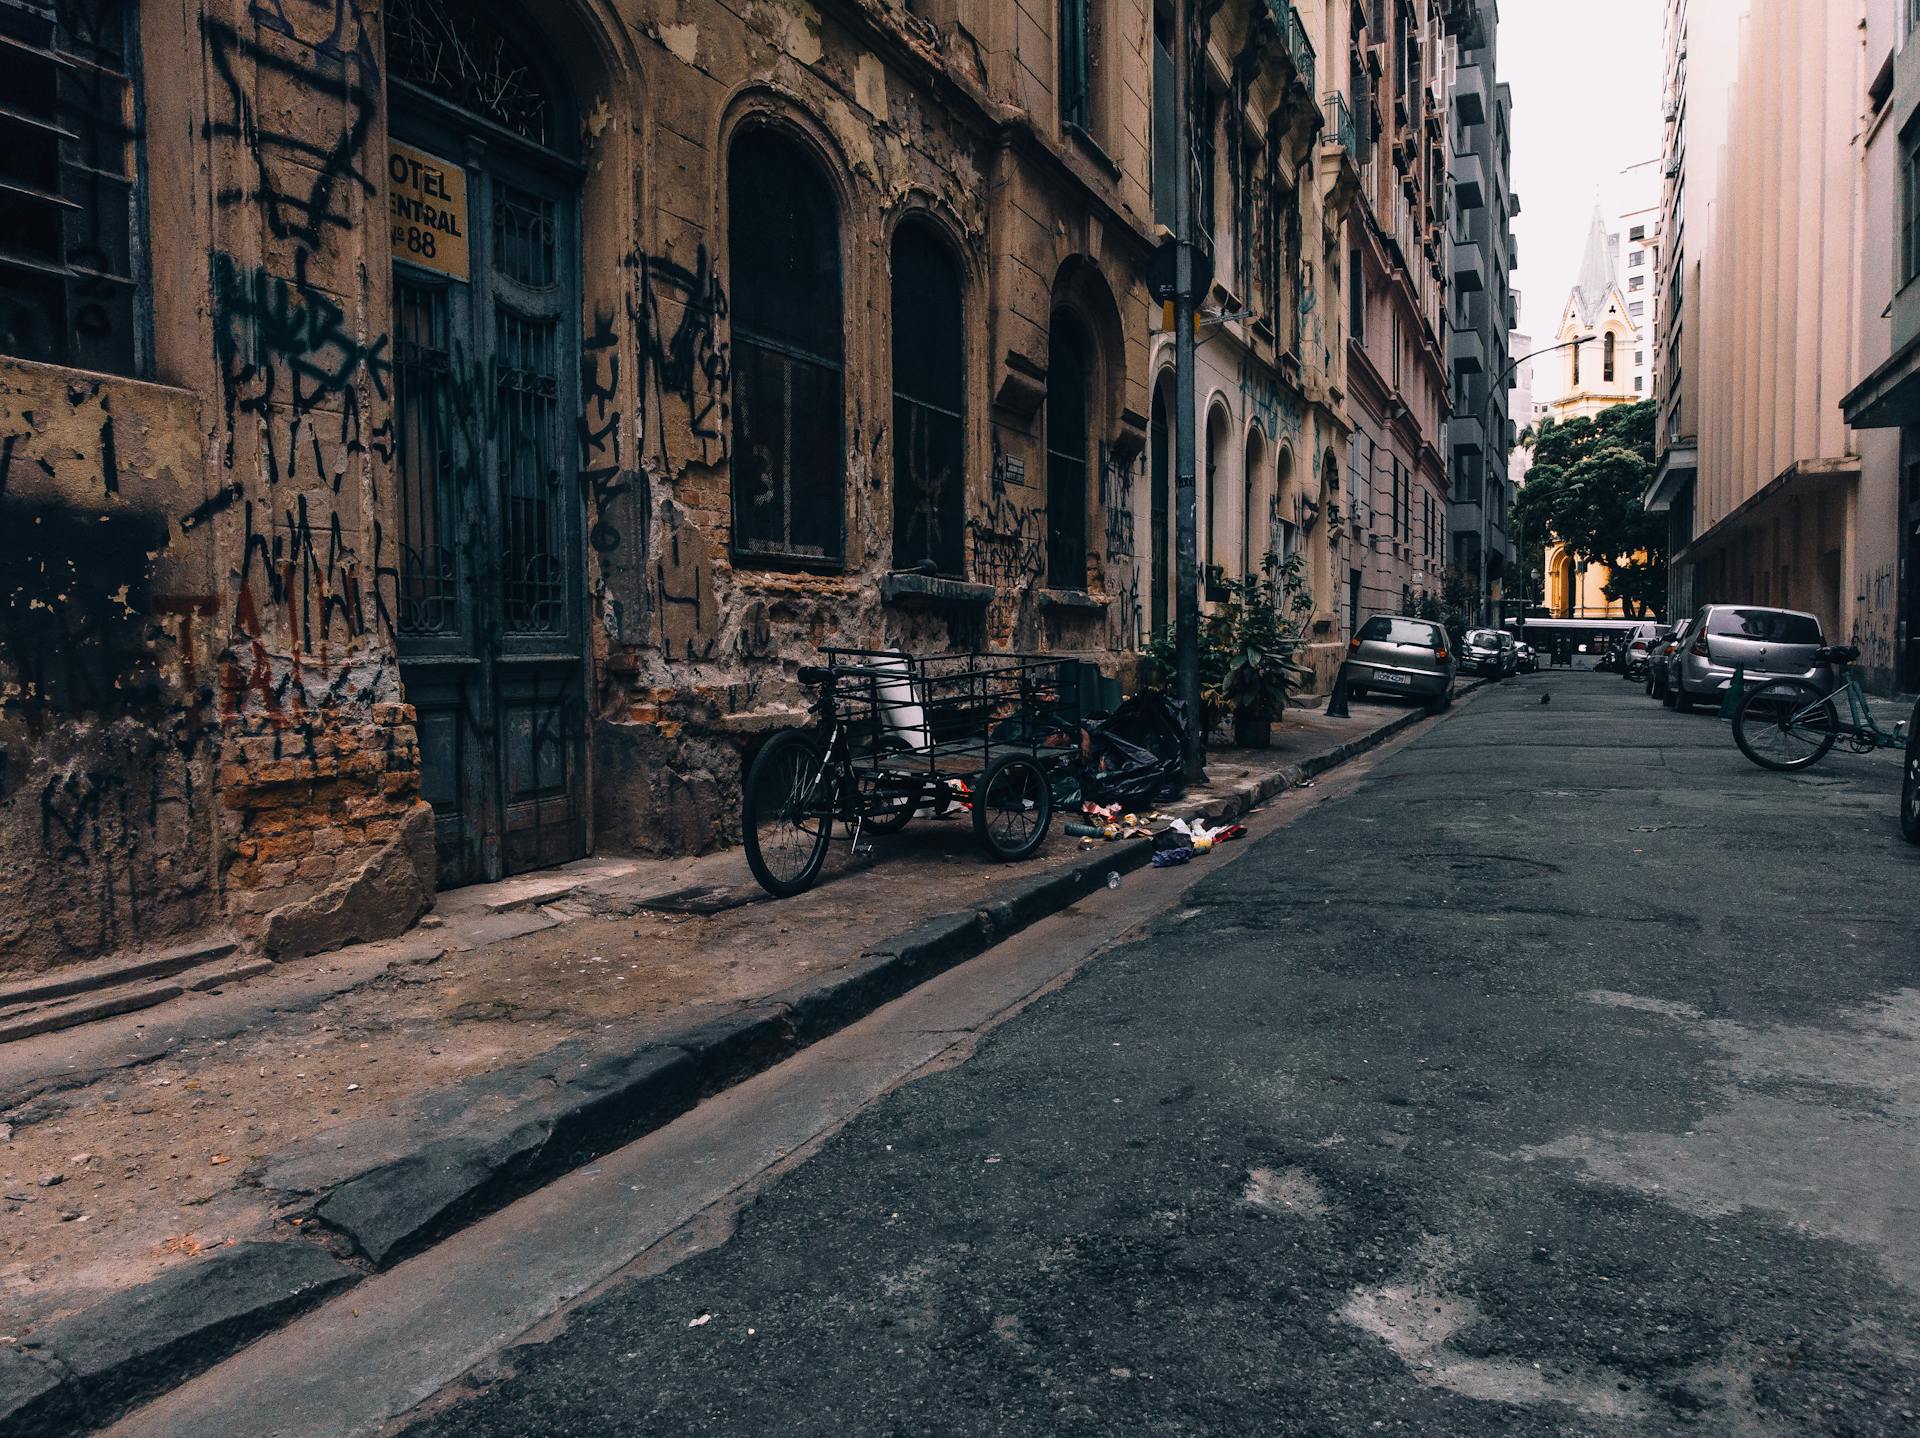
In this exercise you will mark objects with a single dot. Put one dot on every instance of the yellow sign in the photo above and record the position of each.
(429, 204)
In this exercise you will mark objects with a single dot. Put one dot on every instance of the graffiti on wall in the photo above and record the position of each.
(1279, 410)
(679, 315)
(1010, 531)
(1125, 616)
(1875, 612)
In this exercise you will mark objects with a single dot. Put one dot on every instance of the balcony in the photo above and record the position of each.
(1468, 350)
(1469, 181)
(1469, 270)
(1300, 47)
(1469, 438)
(1471, 100)
(1340, 129)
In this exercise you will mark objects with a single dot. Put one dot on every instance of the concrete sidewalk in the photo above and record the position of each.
(179, 1179)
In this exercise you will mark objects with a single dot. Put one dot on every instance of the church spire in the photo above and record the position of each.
(1596, 268)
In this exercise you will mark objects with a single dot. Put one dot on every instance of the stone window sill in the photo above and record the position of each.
(928, 591)
(1072, 601)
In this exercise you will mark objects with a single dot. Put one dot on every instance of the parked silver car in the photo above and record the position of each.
(1765, 643)
(1397, 655)
(1637, 645)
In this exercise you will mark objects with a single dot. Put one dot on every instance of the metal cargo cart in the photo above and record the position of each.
(898, 734)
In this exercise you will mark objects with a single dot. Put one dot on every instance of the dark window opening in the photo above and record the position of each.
(70, 247)
(789, 463)
(929, 404)
(1166, 127)
(1069, 387)
(1606, 364)
(1076, 78)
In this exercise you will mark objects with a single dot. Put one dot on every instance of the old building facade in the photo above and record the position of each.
(1394, 502)
(433, 432)
(452, 423)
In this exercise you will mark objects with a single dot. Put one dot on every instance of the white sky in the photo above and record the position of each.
(1586, 105)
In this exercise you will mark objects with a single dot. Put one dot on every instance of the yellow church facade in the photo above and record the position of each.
(1600, 336)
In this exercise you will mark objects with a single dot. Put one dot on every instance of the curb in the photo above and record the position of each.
(83, 1371)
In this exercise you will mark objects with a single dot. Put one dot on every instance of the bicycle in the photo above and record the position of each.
(1790, 724)
(895, 735)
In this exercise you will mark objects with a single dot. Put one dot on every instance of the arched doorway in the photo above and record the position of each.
(1160, 477)
(483, 189)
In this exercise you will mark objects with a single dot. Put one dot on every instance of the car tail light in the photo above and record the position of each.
(1440, 654)
(1353, 643)
(1699, 650)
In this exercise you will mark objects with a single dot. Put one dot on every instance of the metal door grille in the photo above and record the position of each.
(422, 459)
(533, 574)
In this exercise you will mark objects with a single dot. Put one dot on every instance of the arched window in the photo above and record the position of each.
(929, 403)
(789, 461)
(1607, 363)
(1251, 508)
(1215, 548)
(1069, 430)
(1574, 352)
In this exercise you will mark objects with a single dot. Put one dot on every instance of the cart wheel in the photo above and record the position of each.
(1012, 807)
(786, 813)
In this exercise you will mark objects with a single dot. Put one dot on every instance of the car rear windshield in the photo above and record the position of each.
(1769, 626)
(1399, 631)
(1488, 637)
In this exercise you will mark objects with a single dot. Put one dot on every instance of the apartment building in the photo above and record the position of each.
(1394, 495)
(1482, 311)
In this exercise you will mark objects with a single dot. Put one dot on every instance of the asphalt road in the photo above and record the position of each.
(1560, 1080)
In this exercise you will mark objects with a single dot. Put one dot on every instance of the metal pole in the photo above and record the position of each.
(1186, 565)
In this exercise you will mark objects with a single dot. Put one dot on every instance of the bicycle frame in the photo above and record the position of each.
(1860, 729)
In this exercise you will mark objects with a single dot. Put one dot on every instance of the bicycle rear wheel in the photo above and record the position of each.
(786, 813)
(1785, 724)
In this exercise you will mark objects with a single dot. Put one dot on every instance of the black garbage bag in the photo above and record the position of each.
(1134, 755)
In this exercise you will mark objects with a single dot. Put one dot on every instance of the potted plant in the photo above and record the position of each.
(1251, 638)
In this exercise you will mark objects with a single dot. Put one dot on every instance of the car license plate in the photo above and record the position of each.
(1380, 678)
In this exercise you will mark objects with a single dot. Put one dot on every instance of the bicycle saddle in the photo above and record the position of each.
(1837, 653)
(813, 674)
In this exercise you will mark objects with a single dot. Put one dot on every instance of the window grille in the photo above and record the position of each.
(70, 156)
(789, 460)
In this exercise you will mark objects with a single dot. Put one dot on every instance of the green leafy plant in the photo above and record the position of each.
(1583, 490)
(1247, 642)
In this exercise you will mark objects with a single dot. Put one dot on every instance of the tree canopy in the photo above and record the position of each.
(1584, 490)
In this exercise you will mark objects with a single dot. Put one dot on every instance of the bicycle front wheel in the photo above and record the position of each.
(1785, 724)
(787, 812)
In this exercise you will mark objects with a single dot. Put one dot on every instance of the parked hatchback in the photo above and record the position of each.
(1397, 655)
(1765, 643)
(1490, 651)
(1660, 661)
